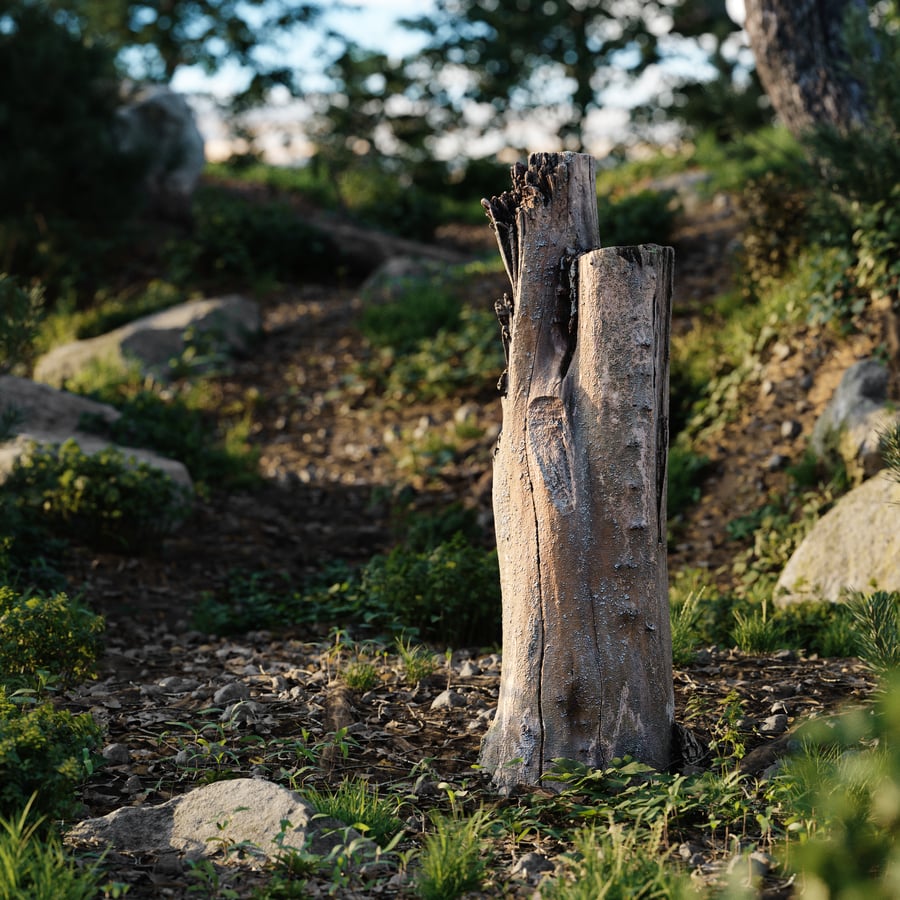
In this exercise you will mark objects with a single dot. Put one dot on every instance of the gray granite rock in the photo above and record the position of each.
(226, 323)
(854, 546)
(200, 822)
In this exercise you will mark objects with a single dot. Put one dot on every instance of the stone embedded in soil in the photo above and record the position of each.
(247, 811)
(237, 690)
(790, 429)
(447, 700)
(116, 754)
(774, 725)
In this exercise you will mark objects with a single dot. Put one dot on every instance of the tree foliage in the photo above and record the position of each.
(155, 38)
(568, 59)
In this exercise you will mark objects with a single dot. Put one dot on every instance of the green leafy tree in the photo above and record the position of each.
(563, 57)
(153, 39)
(727, 103)
(58, 96)
(515, 56)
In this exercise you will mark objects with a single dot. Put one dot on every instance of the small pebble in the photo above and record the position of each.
(469, 669)
(790, 429)
(530, 866)
(776, 461)
(774, 725)
(133, 785)
(447, 700)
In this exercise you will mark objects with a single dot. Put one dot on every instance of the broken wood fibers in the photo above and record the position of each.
(580, 483)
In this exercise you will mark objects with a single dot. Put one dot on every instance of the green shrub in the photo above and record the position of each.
(101, 500)
(618, 863)
(389, 201)
(646, 217)
(685, 475)
(839, 801)
(45, 752)
(467, 358)
(449, 595)
(890, 450)
(236, 239)
(18, 324)
(250, 600)
(171, 426)
(775, 226)
(65, 188)
(34, 865)
(416, 313)
(56, 634)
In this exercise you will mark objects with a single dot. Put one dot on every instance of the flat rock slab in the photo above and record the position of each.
(48, 416)
(853, 546)
(260, 815)
(228, 323)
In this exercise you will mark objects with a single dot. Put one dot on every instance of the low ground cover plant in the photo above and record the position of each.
(102, 499)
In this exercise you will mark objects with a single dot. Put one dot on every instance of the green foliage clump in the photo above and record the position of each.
(775, 226)
(56, 634)
(876, 621)
(65, 187)
(19, 322)
(685, 473)
(359, 804)
(34, 864)
(645, 217)
(450, 594)
(45, 752)
(453, 857)
(250, 600)
(467, 357)
(174, 426)
(890, 450)
(775, 530)
(840, 796)
(417, 310)
(102, 499)
(616, 863)
(234, 238)
(389, 200)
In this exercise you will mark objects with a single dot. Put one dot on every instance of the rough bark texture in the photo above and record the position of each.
(579, 484)
(801, 60)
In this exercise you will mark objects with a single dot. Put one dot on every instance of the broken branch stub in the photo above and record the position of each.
(580, 484)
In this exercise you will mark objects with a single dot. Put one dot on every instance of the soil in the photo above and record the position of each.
(331, 473)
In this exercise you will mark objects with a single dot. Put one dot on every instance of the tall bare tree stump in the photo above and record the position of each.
(580, 484)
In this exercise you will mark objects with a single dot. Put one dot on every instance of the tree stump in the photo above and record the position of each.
(580, 484)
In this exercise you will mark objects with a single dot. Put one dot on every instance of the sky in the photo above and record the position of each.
(373, 24)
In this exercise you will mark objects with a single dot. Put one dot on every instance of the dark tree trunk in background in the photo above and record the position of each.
(580, 484)
(801, 61)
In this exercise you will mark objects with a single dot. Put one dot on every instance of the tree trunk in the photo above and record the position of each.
(580, 484)
(801, 60)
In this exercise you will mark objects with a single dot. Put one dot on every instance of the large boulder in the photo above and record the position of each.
(47, 416)
(222, 325)
(854, 546)
(159, 125)
(260, 816)
(855, 418)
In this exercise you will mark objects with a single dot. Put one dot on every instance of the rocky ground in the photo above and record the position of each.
(330, 469)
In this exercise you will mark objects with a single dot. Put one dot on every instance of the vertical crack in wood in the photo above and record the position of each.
(662, 314)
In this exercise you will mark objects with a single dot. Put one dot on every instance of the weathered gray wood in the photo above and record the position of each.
(579, 484)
